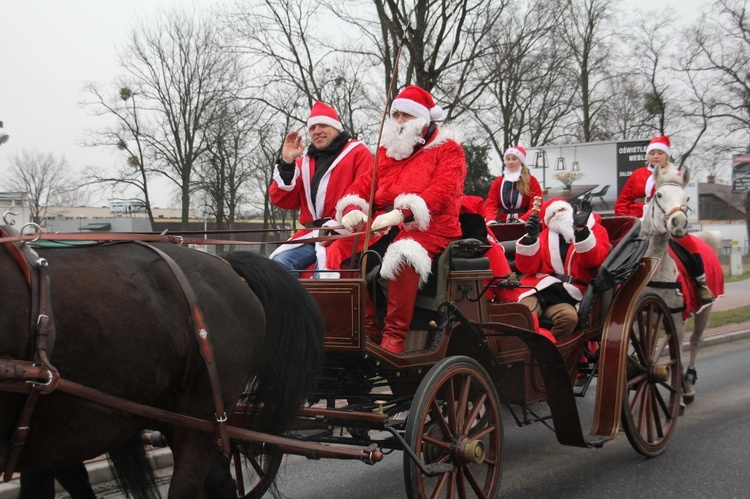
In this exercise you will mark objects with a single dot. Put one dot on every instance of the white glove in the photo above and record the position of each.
(353, 219)
(387, 220)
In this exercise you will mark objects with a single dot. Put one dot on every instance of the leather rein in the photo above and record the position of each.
(39, 377)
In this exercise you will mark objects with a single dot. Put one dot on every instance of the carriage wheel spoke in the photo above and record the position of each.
(443, 481)
(476, 407)
(437, 416)
(463, 404)
(451, 408)
(437, 443)
(475, 486)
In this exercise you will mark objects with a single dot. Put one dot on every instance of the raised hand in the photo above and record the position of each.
(582, 217)
(354, 219)
(292, 147)
(533, 226)
(387, 220)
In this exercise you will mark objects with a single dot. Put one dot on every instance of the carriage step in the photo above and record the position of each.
(440, 468)
(596, 441)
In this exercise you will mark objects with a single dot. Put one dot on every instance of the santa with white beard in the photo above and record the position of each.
(418, 185)
(559, 261)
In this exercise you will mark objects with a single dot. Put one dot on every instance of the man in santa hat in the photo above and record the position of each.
(312, 182)
(560, 261)
(418, 183)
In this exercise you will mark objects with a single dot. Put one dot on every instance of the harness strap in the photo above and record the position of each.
(568, 278)
(43, 331)
(204, 342)
(664, 285)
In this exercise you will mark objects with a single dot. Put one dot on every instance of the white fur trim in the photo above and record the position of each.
(515, 152)
(320, 254)
(324, 120)
(418, 207)
(348, 200)
(556, 260)
(587, 244)
(527, 250)
(445, 133)
(406, 252)
(573, 291)
(659, 146)
(552, 208)
(320, 197)
(280, 183)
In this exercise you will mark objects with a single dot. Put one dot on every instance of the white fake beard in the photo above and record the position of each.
(399, 139)
(512, 176)
(562, 223)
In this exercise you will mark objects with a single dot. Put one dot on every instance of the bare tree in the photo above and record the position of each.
(43, 177)
(127, 135)
(722, 42)
(586, 29)
(184, 75)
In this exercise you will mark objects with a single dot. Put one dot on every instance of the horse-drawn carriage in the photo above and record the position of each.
(466, 356)
(440, 402)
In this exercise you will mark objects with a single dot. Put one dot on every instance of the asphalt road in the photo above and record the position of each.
(707, 456)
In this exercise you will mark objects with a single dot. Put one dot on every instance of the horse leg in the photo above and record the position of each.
(37, 484)
(696, 339)
(193, 453)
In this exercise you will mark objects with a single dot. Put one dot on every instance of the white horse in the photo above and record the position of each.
(665, 218)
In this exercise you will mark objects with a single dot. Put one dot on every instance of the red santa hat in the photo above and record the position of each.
(661, 143)
(417, 102)
(551, 206)
(518, 151)
(323, 114)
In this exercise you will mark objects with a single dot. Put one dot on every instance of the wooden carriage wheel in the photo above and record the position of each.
(254, 466)
(652, 386)
(455, 428)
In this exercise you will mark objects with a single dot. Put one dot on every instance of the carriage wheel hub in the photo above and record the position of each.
(470, 450)
(660, 374)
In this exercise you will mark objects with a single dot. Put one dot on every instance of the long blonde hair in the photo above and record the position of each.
(524, 182)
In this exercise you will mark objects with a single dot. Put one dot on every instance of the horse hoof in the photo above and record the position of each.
(688, 399)
(681, 411)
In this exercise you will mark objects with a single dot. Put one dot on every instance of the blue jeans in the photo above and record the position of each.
(298, 258)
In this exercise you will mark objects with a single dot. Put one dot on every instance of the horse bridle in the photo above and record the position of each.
(667, 214)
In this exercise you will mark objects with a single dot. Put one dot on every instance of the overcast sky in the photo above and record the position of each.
(50, 48)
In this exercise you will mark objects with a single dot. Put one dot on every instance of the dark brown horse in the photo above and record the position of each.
(124, 327)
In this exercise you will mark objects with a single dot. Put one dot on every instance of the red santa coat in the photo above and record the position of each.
(537, 261)
(523, 205)
(429, 183)
(354, 160)
(639, 187)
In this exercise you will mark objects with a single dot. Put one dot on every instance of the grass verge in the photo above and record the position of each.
(718, 319)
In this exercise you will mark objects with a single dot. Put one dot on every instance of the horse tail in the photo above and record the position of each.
(293, 345)
(132, 470)
(711, 237)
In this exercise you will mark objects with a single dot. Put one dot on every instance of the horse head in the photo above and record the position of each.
(667, 211)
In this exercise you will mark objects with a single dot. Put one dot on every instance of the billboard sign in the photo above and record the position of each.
(741, 173)
(630, 157)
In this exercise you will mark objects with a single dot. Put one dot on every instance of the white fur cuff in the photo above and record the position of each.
(348, 200)
(418, 207)
(406, 252)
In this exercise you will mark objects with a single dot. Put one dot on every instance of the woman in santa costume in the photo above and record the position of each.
(313, 182)
(637, 192)
(560, 261)
(511, 195)
(418, 184)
